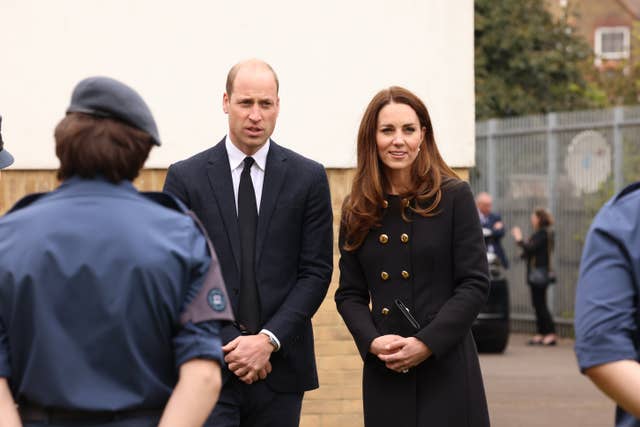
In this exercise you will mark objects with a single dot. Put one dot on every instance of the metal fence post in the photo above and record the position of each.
(552, 173)
(492, 186)
(618, 149)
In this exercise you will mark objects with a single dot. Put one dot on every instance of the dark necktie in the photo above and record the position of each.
(249, 313)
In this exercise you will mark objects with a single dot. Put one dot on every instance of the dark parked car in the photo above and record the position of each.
(491, 328)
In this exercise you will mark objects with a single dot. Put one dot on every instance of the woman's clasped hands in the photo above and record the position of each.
(399, 353)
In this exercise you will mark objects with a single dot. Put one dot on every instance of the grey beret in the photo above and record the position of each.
(106, 97)
(6, 159)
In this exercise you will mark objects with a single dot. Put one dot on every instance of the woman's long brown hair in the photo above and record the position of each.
(362, 210)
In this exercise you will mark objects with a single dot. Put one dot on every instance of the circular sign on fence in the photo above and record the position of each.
(588, 161)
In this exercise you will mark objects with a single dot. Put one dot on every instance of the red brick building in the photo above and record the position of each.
(608, 25)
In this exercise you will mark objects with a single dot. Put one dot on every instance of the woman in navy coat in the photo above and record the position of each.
(413, 273)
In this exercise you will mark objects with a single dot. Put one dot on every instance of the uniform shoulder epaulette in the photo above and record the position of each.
(628, 190)
(166, 200)
(26, 201)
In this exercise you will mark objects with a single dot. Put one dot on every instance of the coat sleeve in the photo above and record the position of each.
(498, 233)
(537, 241)
(315, 264)
(470, 278)
(352, 299)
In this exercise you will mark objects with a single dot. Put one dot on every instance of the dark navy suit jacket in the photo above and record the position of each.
(294, 247)
(496, 236)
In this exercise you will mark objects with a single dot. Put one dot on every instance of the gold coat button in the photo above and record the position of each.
(404, 237)
(407, 203)
(385, 204)
(405, 274)
(384, 275)
(385, 311)
(383, 238)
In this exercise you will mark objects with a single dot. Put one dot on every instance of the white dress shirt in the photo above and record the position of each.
(236, 162)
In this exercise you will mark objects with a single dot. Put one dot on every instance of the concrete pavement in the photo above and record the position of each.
(541, 386)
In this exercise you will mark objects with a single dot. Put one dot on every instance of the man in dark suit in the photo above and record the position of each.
(268, 213)
(6, 159)
(492, 226)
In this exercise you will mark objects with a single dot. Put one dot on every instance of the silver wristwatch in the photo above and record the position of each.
(272, 341)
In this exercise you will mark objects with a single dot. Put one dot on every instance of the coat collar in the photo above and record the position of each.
(219, 174)
(96, 184)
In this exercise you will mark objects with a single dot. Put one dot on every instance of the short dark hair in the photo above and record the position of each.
(231, 76)
(88, 146)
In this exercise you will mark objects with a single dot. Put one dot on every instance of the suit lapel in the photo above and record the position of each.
(275, 171)
(219, 174)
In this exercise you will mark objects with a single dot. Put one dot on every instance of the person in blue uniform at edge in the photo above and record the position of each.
(607, 305)
(268, 212)
(8, 412)
(111, 300)
(492, 227)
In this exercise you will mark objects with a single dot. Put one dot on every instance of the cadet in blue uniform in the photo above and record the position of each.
(110, 300)
(8, 413)
(608, 307)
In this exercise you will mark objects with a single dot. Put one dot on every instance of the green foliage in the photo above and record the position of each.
(619, 81)
(529, 63)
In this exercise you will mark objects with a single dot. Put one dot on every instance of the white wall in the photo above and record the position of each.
(331, 56)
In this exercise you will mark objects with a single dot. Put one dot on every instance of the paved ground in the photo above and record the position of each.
(541, 386)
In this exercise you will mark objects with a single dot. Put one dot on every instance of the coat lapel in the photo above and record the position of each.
(219, 174)
(275, 172)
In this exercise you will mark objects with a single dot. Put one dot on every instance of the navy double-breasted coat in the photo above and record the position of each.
(437, 267)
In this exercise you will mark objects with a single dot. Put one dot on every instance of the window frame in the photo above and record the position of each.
(626, 34)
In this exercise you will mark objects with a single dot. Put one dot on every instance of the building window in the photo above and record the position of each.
(612, 43)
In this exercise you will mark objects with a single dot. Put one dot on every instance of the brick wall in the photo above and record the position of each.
(338, 401)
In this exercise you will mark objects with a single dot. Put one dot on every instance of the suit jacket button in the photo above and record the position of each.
(385, 204)
(383, 238)
(384, 275)
(405, 274)
(404, 238)
(385, 311)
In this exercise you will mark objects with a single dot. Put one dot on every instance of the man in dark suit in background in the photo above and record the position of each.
(6, 159)
(268, 212)
(492, 226)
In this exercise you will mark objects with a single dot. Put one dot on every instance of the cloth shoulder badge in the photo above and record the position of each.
(217, 300)
(212, 302)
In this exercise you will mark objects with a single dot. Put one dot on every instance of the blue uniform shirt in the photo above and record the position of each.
(607, 300)
(94, 280)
